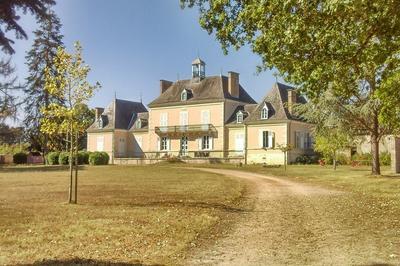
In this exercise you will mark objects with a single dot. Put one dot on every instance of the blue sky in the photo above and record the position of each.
(131, 45)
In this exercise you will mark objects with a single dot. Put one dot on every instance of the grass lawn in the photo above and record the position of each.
(142, 214)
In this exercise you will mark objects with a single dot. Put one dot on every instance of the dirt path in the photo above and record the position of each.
(295, 224)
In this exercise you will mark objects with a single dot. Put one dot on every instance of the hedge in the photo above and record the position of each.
(20, 158)
(63, 158)
(83, 157)
(98, 158)
(52, 158)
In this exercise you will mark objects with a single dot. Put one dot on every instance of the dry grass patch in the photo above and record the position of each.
(149, 214)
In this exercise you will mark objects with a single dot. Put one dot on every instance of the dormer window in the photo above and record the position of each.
(138, 123)
(100, 122)
(239, 117)
(184, 95)
(264, 112)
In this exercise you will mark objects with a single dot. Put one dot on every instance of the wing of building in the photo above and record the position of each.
(203, 118)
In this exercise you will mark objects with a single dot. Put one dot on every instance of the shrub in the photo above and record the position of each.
(363, 158)
(52, 158)
(20, 158)
(341, 159)
(63, 158)
(83, 157)
(385, 158)
(307, 159)
(98, 158)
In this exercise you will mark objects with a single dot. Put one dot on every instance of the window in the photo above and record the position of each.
(264, 112)
(239, 117)
(100, 122)
(100, 143)
(164, 144)
(184, 95)
(267, 139)
(205, 143)
(183, 118)
(138, 124)
(303, 140)
(163, 119)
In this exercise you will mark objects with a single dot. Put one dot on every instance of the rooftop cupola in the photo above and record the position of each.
(198, 69)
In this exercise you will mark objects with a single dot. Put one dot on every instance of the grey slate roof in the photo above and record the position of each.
(118, 115)
(276, 101)
(209, 89)
(246, 109)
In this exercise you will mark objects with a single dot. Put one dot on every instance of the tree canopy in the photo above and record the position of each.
(350, 47)
(9, 18)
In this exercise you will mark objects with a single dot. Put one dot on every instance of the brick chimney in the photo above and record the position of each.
(164, 85)
(233, 84)
(98, 112)
(292, 100)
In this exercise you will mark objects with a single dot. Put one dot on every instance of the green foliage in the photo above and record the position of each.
(13, 148)
(363, 158)
(341, 159)
(330, 142)
(98, 158)
(63, 158)
(52, 158)
(83, 157)
(307, 159)
(385, 158)
(320, 46)
(20, 158)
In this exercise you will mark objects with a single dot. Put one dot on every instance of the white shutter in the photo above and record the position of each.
(183, 118)
(271, 139)
(100, 143)
(199, 143)
(260, 138)
(158, 144)
(211, 142)
(301, 140)
(168, 144)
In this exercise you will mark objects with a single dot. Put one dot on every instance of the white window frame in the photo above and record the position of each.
(239, 117)
(100, 143)
(138, 123)
(164, 143)
(206, 143)
(264, 112)
(163, 119)
(183, 118)
(184, 95)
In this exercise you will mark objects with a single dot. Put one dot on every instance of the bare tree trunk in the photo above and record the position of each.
(71, 153)
(376, 167)
(76, 168)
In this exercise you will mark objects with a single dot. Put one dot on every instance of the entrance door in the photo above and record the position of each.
(184, 145)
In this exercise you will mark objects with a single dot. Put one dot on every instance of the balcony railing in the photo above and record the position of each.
(187, 130)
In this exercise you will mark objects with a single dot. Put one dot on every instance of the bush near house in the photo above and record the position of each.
(63, 158)
(83, 157)
(20, 158)
(366, 158)
(98, 158)
(307, 159)
(385, 158)
(52, 158)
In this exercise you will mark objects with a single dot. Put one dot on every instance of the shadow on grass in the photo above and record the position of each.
(36, 168)
(81, 262)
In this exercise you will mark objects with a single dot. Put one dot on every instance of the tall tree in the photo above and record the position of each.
(9, 18)
(68, 82)
(8, 87)
(44, 49)
(352, 47)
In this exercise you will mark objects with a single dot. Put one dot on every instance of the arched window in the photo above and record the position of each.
(100, 122)
(184, 95)
(264, 112)
(239, 117)
(138, 124)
